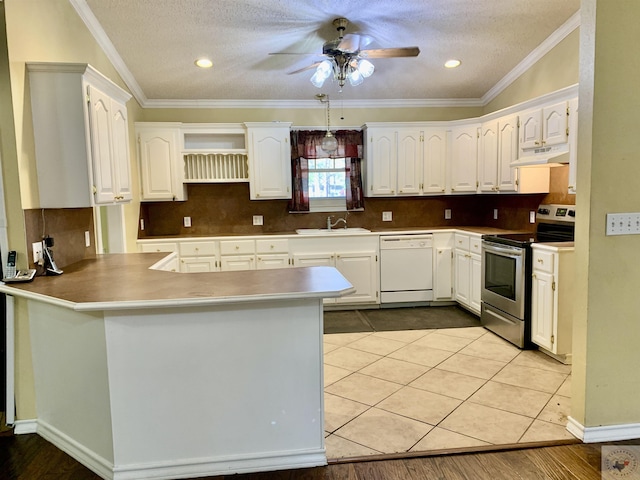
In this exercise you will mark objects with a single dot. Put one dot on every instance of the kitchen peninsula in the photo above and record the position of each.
(142, 373)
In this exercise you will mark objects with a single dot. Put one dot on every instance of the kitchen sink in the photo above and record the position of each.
(333, 231)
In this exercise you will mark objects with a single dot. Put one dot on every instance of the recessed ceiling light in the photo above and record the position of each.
(204, 63)
(452, 63)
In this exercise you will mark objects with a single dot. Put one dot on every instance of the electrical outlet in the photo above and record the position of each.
(142, 224)
(37, 253)
(87, 239)
(258, 220)
(387, 216)
(532, 216)
(623, 223)
(495, 213)
(447, 214)
(187, 221)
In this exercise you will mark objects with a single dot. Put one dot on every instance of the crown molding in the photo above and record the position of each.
(110, 51)
(540, 51)
(101, 37)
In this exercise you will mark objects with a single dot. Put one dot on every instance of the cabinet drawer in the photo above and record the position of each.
(543, 261)
(192, 249)
(461, 242)
(475, 245)
(158, 247)
(233, 247)
(277, 245)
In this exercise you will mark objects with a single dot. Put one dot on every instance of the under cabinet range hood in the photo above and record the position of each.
(544, 156)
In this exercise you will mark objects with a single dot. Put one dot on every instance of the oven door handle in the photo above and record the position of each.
(493, 248)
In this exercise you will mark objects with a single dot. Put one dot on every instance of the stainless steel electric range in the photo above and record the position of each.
(506, 273)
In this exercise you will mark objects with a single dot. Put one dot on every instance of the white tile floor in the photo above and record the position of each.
(416, 390)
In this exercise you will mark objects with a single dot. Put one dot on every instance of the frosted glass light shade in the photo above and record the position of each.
(322, 73)
(329, 143)
(365, 67)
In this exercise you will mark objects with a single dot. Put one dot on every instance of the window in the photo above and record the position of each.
(327, 184)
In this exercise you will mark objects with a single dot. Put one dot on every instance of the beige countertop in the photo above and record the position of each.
(120, 281)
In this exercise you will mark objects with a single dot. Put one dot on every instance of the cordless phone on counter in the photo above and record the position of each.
(13, 275)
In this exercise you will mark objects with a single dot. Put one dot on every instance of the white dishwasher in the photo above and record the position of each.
(406, 268)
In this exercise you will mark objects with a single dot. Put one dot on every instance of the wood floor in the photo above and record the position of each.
(29, 457)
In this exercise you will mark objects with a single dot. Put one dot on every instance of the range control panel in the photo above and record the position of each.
(562, 213)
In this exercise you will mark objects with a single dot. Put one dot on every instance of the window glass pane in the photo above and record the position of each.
(311, 164)
(339, 163)
(324, 163)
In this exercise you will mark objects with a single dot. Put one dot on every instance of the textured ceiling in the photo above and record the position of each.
(158, 41)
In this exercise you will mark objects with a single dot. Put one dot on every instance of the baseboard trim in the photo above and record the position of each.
(21, 427)
(606, 433)
(82, 454)
(196, 467)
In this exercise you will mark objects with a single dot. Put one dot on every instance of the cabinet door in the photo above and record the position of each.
(313, 259)
(463, 277)
(409, 162)
(542, 309)
(360, 270)
(531, 129)
(555, 124)
(101, 146)
(158, 162)
(507, 153)
(573, 144)
(120, 160)
(443, 274)
(270, 163)
(237, 262)
(272, 260)
(435, 160)
(475, 282)
(197, 264)
(381, 162)
(488, 157)
(464, 159)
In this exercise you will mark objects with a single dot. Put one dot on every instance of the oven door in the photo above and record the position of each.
(503, 278)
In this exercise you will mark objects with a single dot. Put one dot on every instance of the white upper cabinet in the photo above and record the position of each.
(488, 157)
(269, 160)
(464, 158)
(573, 145)
(84, 160)
(381, 161)
(435, 160)
(507, 153)
(161, 166)
(544, 127)
(410, 148)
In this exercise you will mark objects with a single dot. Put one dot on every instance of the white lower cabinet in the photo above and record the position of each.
(443, 266)
(468, 270)
(551, 300)
(272, 253)
(355, 257)
(197, 257)
(237, 255)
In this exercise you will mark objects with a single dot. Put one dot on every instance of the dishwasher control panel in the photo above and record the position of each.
(395, 242)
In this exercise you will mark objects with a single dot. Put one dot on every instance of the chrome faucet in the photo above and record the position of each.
(331, 225)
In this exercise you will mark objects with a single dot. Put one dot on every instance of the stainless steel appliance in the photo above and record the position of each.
(506, 273)
(406, 268)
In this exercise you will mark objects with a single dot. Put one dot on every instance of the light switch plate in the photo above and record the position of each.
(258, 220)
(447, 214)
(623, 223)
(187, 221)
(87, 239)
(495, 213)
(387, 216)
(532, 216)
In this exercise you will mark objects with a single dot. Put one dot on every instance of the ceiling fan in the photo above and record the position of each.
(347, 57)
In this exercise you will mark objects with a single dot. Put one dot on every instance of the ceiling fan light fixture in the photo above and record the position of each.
(355, 77)
(366, 68)
(323, 71)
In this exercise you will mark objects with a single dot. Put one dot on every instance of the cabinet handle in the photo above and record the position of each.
(237, 247)
(533, 275)
(540, 261)
(536, 143)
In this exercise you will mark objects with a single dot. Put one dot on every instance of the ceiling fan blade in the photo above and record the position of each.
(293, 53)
(313, 65)
(352, 42)
(390, 52)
